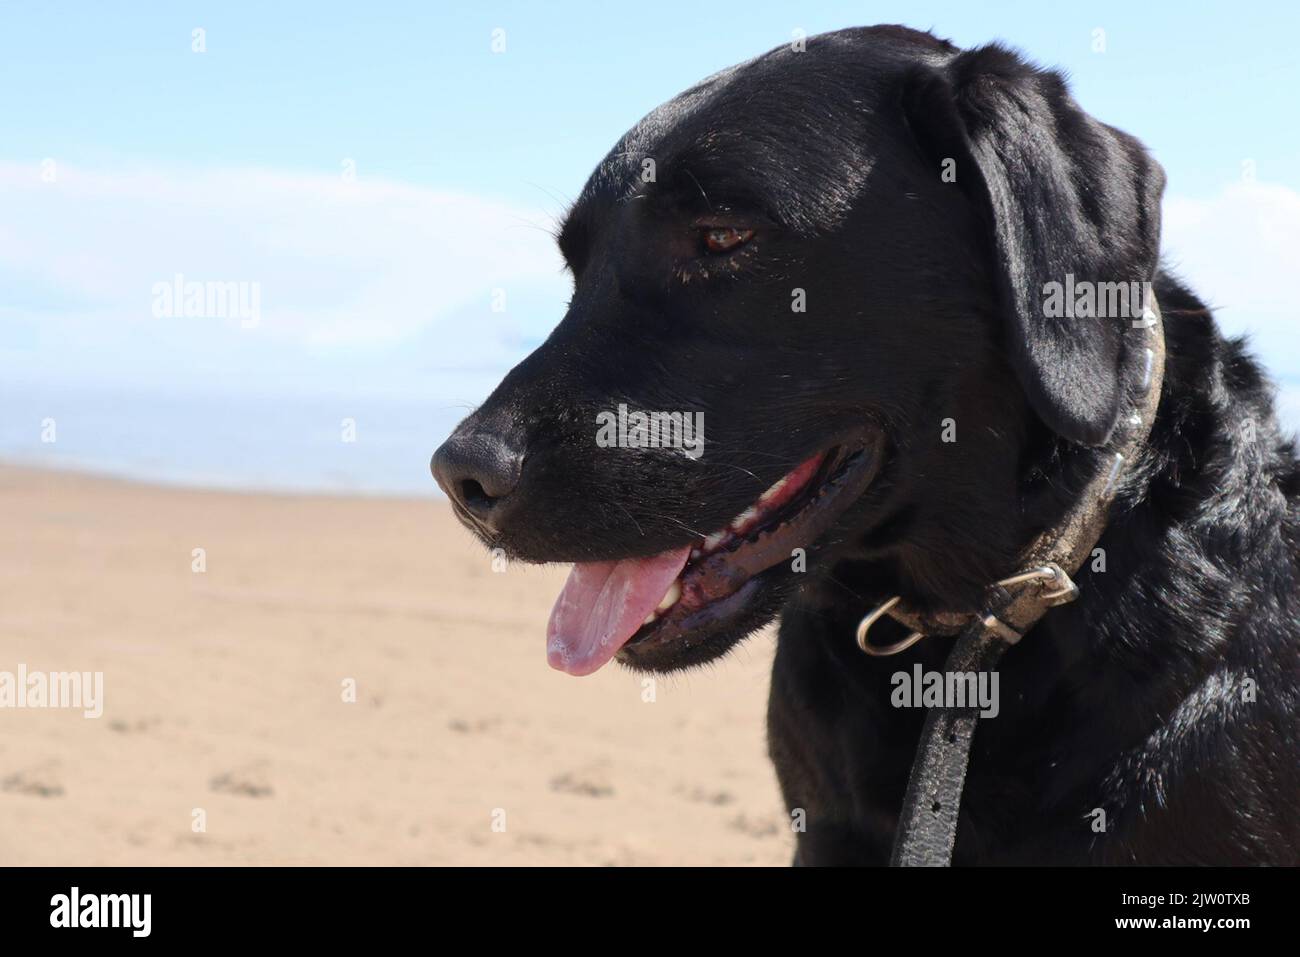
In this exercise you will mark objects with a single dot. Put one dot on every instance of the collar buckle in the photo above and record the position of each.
(1056, 588)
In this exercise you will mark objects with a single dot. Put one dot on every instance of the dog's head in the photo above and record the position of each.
(807, 327)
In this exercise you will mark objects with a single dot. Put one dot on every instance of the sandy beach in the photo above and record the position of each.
(227, 737)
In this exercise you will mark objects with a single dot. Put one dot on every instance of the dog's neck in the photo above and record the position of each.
(1042, 579)
(1215, 418)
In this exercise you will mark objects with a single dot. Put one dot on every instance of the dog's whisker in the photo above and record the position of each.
(701, 189)
(562, 199)
(682, 525)
(630, 516)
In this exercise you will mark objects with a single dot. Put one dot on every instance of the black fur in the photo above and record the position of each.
(924, 303)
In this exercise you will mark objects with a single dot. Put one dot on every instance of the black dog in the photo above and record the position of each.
(839, 257)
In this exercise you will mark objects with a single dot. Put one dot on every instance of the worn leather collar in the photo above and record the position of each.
(1047, 564)
(927, 825)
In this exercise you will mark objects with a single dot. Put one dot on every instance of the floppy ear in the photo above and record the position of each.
(1061, 195)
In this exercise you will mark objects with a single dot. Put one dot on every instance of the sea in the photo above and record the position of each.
(328, 443)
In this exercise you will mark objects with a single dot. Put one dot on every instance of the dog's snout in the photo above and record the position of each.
(478, 471)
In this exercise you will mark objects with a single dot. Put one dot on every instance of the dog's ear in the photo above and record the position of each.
(1060, 195)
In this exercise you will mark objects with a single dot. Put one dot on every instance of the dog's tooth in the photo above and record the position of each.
(650, 618)
(742, 521)
(714, 540)
(673, 593)
(773, 492)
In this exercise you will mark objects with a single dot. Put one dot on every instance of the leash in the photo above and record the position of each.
(927, 827)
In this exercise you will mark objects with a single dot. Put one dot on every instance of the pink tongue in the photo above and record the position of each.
(602, 606)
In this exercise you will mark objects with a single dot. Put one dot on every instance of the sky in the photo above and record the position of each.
(384, 179)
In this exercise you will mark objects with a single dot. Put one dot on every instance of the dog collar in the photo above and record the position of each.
(927, 828)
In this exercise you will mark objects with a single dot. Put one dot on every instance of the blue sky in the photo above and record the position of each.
(413, 92)
(379, 171)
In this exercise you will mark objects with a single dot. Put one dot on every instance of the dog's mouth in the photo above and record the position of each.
(650, 611)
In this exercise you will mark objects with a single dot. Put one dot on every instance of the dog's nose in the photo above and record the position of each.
(478, 471)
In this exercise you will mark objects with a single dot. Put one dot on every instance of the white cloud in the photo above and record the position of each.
(345, 268)
(1240, 251)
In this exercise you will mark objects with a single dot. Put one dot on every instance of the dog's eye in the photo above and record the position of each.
(723, 239)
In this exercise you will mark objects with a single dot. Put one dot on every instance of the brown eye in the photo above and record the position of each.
(723, 239)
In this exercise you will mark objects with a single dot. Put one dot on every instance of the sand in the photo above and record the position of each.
(226, 738)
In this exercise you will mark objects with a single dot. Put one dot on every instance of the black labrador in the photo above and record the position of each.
(812, 361)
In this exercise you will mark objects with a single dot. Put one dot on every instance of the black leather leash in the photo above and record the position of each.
(927, 826)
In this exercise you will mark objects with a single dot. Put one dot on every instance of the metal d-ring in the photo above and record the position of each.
(884, 651)
(1066, 590)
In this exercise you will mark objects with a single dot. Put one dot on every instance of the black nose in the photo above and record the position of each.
(478, 471)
